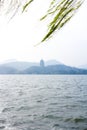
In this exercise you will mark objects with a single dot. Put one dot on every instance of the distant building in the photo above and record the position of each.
(42, 63)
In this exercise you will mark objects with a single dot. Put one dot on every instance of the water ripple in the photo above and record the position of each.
(31, 102)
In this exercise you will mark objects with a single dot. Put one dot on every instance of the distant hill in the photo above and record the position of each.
(48, 67)
(83, 66)
(21, 65)
(8, 70)
(54, 69)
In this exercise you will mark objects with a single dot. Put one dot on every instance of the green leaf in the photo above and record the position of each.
(63, 12)
(26, 5)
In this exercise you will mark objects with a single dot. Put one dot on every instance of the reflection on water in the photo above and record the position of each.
(43, 102)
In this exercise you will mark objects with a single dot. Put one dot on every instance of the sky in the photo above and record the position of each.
(19, 36)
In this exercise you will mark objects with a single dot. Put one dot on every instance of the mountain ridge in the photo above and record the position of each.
(54, 69)
(49, 67)
(22, 65)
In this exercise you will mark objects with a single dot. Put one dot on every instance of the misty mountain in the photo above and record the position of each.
(21, 65)
(8, 70)
(54, 69)
(8, 61)
(48, 67)
(83, 66)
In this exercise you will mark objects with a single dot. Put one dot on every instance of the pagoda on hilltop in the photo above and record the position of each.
(42, 63)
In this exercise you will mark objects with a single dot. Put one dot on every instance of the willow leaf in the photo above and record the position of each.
(66, 9)
(26, 5)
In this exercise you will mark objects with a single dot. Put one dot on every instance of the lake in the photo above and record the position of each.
(43, 102)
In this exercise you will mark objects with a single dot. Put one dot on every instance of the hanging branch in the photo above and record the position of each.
(59, 12)
(27, 4)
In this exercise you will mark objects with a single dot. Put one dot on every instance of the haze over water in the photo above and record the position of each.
(43, 102)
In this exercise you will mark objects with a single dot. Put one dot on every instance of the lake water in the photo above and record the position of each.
(43, 102)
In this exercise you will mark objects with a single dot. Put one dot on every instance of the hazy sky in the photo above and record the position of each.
(18, 37)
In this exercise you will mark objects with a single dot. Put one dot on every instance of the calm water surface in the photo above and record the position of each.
(43, 102)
